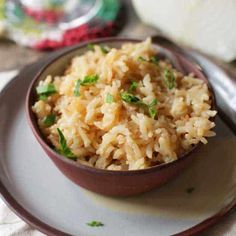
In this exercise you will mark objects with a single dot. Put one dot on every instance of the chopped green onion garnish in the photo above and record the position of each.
(44, 91)
(142, 59)
(88, 80)
(153, 103)
(64, 149)
(43, 97)
(133, 86)
(130, 98)
(90, 46)
(152, 111)
(104, 49)
(77, 86)
(169, 79)
(152, 60)
(95, 223)
(109, 98)
(49, 120)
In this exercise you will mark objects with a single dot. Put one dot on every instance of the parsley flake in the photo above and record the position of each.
(95, 223)
(44, 91)
(90, 46)
(77, 86)
(152, 111)
(153, 60)
(109, 98)
(169, 79)
(133, 86)
(130, 98)
(64, 149)
(49, 120)
(104, 49)
(88, 80)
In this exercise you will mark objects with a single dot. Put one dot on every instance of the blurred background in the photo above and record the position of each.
(30, 29)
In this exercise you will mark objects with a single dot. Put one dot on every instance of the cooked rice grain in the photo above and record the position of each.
(118, 135)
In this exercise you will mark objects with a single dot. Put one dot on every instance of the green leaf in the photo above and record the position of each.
(142, 59)
(104, 49)
(90, 46)
(130, 98)
(153, 103)
(153, 60)
(64, 149)
(169, 79)
(77, 86)
(109, 98)
(133, 86)
(89, 79)
(49, 120)
(43, 97)
(46, 89)
(95, 223)
(152, 112)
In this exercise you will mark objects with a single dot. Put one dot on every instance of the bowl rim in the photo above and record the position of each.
(39, 136)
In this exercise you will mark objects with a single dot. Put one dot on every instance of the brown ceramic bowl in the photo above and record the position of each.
(108, 182)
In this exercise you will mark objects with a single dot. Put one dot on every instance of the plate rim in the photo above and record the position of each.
(36, 223)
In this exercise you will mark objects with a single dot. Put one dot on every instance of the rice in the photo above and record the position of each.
(167, 115)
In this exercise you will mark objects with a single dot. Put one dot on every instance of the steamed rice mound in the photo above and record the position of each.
(103, 130)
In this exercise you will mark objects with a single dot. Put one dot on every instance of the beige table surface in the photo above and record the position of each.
(13, 56)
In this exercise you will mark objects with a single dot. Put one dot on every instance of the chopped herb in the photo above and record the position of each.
(130, 98)
(152, 60)
(142, 59)
(45, 90)
(152, 111)
(88, 80)
(90, 46)
(77, 86)
(95, 223)
(49, 120)
(42, 97)
(64, 149)
(109, 98)
(153, 103)
(133, 86)
(104, 49)
(169, 79)
(190, 190)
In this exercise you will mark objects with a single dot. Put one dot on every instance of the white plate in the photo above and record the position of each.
(41, 195)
